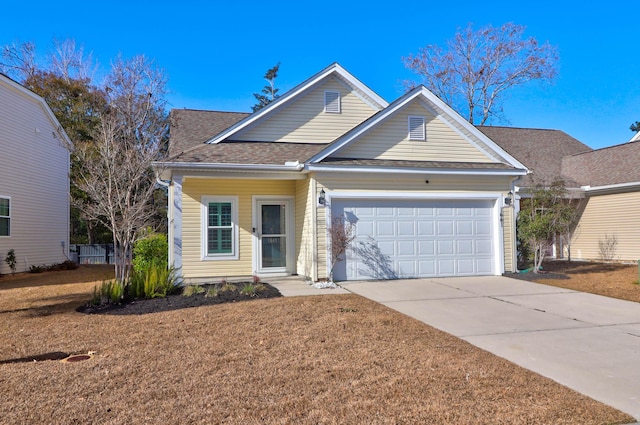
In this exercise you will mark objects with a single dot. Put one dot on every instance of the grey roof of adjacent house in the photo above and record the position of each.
(540, 150)
(607, 166)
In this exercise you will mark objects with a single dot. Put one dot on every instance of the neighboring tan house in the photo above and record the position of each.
(34, 171)
(610, 179)
(605, 180)
(428, 192)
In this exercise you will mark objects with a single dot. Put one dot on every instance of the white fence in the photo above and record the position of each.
(92, 254)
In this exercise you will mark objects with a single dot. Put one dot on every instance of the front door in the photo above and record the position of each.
(272, 236)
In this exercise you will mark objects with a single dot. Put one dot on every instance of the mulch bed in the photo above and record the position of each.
(179, 301)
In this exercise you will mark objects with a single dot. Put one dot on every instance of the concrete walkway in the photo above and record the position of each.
(587, 342)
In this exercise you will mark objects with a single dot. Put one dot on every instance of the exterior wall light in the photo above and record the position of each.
(509, 199)
(321, 199)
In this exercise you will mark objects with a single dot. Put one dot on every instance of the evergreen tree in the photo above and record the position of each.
(269, 92)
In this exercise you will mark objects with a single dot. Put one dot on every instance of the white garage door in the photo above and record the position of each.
(415, 238)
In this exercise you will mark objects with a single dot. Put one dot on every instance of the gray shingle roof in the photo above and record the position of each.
(272, 153)
(607, 166)
(191, 128)
(540, 150)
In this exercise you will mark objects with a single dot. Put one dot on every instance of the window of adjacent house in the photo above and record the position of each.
(220, 230)
(416, 128)
(5, 216)
(332, 102)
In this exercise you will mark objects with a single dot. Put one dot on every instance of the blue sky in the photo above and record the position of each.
(215, 53)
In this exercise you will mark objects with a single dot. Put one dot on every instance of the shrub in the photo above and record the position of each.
(248, 289)
(192, 290)
(110, 292)
(10, 259)
(155, 280)
(37, 269)
(153, 248)
(608, 247)
(226, 286)
(212, 291)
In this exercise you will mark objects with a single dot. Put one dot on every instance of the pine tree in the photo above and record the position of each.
(269, 92)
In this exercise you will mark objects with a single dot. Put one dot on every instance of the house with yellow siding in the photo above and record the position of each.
(427, 193)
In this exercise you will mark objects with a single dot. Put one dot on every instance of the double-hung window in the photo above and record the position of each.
(5, 216)
(220, 228)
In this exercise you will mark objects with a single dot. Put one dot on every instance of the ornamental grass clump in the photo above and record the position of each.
(109, 292)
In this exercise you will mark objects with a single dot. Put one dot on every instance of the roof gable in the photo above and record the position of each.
(277, 127)
(33, 97)
(449, 137)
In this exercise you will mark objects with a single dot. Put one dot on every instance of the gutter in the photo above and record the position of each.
(451, 171)
(288, 166)
(611, 188)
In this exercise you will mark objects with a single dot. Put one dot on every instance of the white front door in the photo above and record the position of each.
(273, 242)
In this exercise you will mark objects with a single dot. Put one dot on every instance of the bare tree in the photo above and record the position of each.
(70, 62)
(19, 60)
(115, 171)
(477, 67)
(341, 235)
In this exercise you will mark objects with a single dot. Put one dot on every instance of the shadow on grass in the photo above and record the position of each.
(84, 273)
(56, 355)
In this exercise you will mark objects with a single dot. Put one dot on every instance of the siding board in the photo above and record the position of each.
(34, 172)
(390, 140)
(608, 215)
(193, 189)
(304, 121)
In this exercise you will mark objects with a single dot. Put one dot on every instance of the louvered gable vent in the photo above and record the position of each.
(416, 128)
(332, 102)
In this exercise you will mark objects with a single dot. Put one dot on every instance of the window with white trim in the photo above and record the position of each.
(416, 128)
(5, 216)
(219, 228)
(332, 102)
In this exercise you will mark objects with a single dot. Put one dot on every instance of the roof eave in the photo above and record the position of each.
(415, 170)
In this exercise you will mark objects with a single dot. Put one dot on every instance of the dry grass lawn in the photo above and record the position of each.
(611, 280)
(329, 359)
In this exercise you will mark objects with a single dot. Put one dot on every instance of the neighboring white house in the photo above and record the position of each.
(34, 180)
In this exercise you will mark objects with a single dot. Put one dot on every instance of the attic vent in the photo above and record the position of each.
(332, 102)
(416, 128)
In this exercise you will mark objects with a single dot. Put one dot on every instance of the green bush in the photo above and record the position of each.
(155, 280)
(10, 259)
(153, 248)
(110, 292)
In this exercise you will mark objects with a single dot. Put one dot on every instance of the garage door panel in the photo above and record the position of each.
(426, 247)
(407, 228)
(483, 246)
(426, 268)
(445, 247)
(446, 267)
(417, 238)
(445, 228)
(464, 246)
(406, 248)
(464, 228)
(426, 228)
(465, 267)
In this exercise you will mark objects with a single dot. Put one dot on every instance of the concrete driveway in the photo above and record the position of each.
(587, 342)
